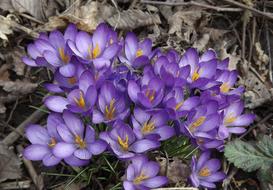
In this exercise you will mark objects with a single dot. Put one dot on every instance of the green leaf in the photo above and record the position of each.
(251, 156)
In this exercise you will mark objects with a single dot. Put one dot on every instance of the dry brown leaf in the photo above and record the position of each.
(18, 87)
(234, 59)
(9, 164)
(5, 28)
(182, 23)
(132, 18)
(18, 65)
(202, 43)
(177, 171)
(86, 17)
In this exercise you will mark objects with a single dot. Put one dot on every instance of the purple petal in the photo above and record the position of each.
(53, 120)
(131, 45)
(97, 147)
(74, 124)
(150, 169)
(33, 51)
(70, 32)
(111, 51)
(74, 161)
(191, 58)
(68, 70)
(165, 132)
(100, 36)
(244, 120)
(29, 61)
(218, 176)
(52, 58)
(128, 185)
(36, 152)
(207, 184)
(56, 103)
(203, 159)
(51, 160)
(133, 90)
(155, 182)
(208, 69)
(56, 38)
(63, 150)
(213, 165)
(83, 154)
(84, 43)
(130, 172)
(65, 133)
(208, 55)
(236, 130)
(37, 135)
(53, 88)
(91, 96)
(140, 115)
(141, 146)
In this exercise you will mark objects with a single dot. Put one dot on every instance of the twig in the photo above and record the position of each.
(244, 37)
(15, 185)
(37, 179)
(256, 11)
(14, 135)
(268, 51)
(226, 182)
(252, 39)
(193, 3)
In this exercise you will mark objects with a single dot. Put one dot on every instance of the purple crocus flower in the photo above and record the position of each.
(136, 54)
(208, 140)
(233, 121)
(79, 100)
(123, 142)
(201, 72)
(151, 126)
(170, 72)
(77, 140)
(205, 171)
(203, 119)
(177, 105)
(142, 174)
(58, 54)
(112, 104)
(99, 48)
(43, 141)
(148, 92)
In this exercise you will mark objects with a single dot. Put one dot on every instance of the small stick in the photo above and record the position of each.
(15, 185)
(37, 179)
(14, 135)
(219, 9)
(243, 6)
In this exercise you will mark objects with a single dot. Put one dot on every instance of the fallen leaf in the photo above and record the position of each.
(133, 18)
(5, 27)
(18, 87)
(9, 164)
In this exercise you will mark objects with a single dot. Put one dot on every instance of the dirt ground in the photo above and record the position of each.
(238, 29)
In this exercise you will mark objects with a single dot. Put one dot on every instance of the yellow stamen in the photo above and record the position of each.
(80, 141)
(229, 119)
(80, 102)
(179, 105)
(195, 75)
(140, 178)
(204, 172)
(150, 94)
(224, 87)
(64, 57)
(72, 80)
(110, 110)
(148, 127)
(197, 123)
(139, 53)
(123, 143)
(53, 142)
(96, 51)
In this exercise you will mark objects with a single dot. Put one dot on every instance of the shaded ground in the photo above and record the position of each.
(240, 30)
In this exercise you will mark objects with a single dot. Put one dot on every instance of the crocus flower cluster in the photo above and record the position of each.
(123, 96)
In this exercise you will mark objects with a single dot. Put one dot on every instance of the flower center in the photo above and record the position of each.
(53, 142)
(139, 53)
(224, 87)
(79, 141)
(150, 94)
(123, 143)
(195, 75)
(96, 51)
(72, 80)
(80, 102)
(64, 57)
(179, 105)
(229, 119)
(140, 178)
(110, 110)
(197, 123)
(204, 172)
(148, 127)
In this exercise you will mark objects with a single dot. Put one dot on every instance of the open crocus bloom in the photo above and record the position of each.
(205, 171)
(142, 174)
(123, 142)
